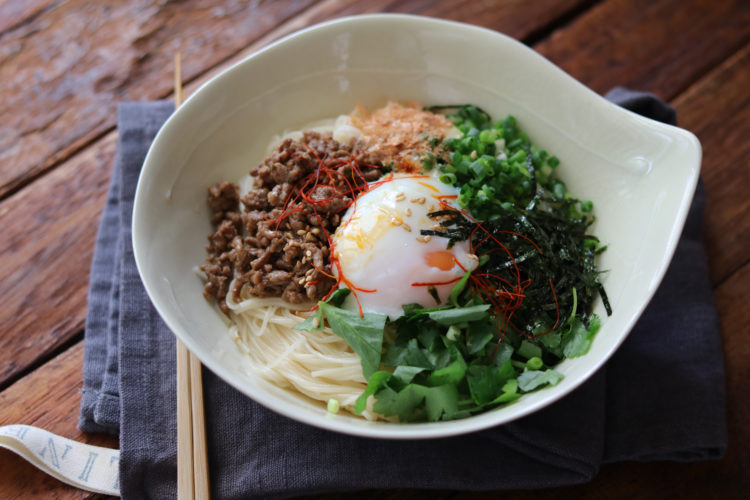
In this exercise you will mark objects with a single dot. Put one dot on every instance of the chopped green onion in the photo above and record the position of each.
(534, 363)
(333, 406)
(518, 157)
(448, 178)
(559, 190)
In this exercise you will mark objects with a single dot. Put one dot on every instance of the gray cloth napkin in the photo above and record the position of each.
(661, 397)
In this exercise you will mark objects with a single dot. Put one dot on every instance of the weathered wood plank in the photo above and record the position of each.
(47, 244)
(47, 398)
(44, 278)
(14, 13)
(732, 298)
(661, 47)
(64, 70)
(718, 112)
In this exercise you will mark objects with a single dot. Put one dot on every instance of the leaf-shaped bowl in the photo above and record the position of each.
(640, 174)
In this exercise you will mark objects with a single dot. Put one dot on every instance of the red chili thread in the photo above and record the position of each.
(438, 283)
(442, 197)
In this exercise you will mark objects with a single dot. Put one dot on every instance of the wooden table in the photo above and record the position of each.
(65, 65)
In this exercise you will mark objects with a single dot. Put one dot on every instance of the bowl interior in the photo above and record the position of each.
(640, 174)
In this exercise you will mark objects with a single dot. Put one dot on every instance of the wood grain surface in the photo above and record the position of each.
(717, 110)
(65, 65)
(65, 68)
(661, 46)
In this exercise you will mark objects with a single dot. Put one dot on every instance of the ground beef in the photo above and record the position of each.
(275, 244)
(224, 199)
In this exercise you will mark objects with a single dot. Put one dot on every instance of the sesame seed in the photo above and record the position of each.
(316, 322)
(408, 212)
(420, 200)
(396, 221)
(309, 237)
(300, 232)
(471, 256)
(315, 230)
(407, 227)
(424, 239)
(400, 197)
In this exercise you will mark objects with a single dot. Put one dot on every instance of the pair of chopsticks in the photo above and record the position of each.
(192, 460)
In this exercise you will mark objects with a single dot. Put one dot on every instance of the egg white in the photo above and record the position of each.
(380, 253)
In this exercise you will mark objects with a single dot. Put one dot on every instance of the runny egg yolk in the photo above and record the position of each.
(379, 252)
(442, 259)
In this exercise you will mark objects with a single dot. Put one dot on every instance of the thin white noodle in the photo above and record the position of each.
(269, 312)
(284, 355)
(319, 364)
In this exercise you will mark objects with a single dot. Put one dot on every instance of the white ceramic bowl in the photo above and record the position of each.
(640, 174)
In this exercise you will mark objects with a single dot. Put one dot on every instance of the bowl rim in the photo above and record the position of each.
(381, 429)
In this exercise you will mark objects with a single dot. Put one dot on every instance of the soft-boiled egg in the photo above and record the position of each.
(378, 249)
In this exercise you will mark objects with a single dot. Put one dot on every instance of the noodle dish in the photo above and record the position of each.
(399, 227)
(409, 264)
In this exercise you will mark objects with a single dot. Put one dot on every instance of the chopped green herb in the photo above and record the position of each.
(532, 379)
(363, 334)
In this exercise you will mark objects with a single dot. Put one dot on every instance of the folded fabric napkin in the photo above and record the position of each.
(661, 397)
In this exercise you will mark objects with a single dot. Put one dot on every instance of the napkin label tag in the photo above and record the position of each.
(87, 467)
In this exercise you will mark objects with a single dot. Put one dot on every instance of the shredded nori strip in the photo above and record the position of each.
(565, 255)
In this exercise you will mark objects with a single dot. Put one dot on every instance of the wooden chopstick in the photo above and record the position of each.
(192, 456)
(185, 480)
(200, 453)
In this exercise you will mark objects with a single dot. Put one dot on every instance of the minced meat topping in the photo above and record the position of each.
(273, 240)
